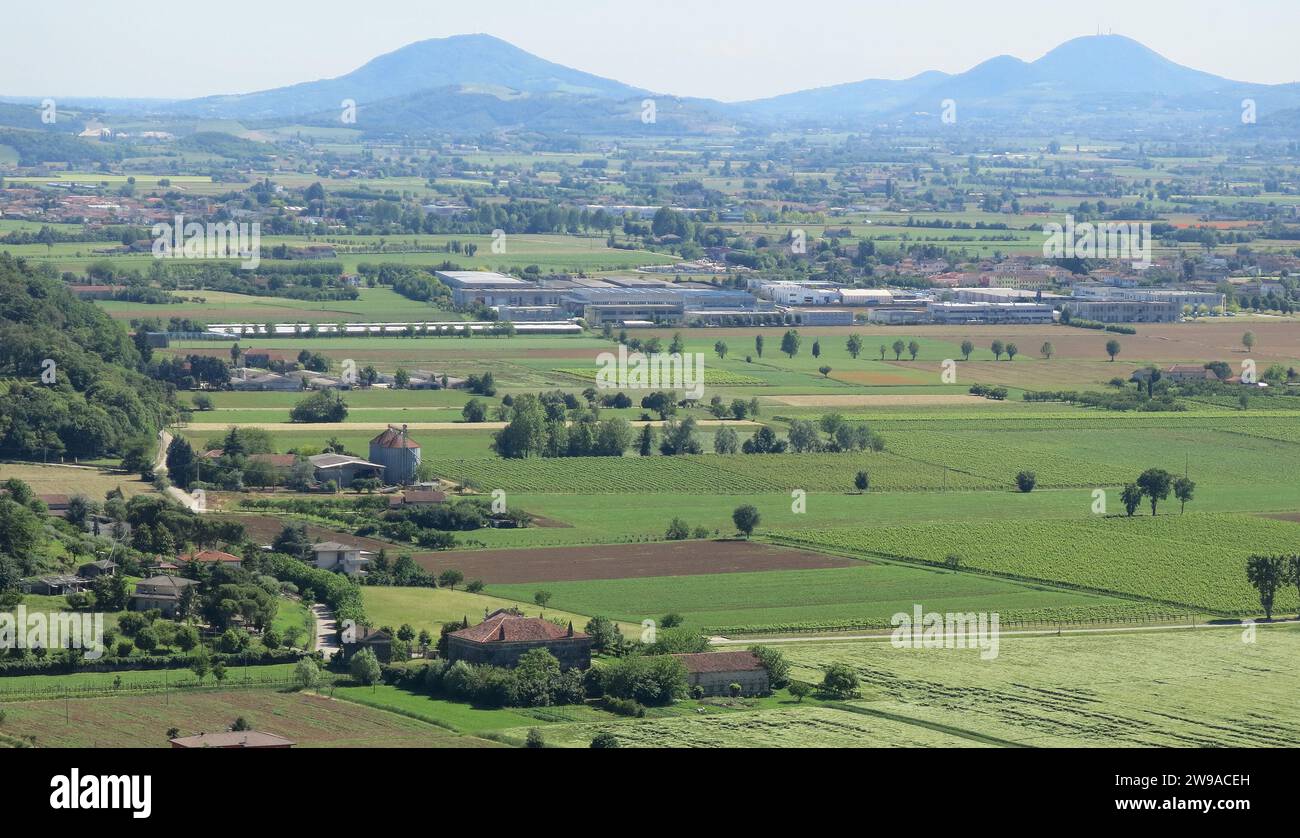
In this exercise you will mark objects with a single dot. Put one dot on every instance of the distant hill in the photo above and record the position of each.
(1080, 79)
(1108, 85)
(458, 61)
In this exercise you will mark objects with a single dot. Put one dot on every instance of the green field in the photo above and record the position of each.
(1196, 560)
(868, 595)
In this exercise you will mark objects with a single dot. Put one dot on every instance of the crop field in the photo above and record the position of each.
(142, 721)
(1196, 560)
(624, 561)
(373, 305)
(1194, 688)
(712, 377)
(705, 473)
(862, 595)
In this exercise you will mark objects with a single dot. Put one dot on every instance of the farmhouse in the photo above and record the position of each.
(233, 739)
(504, 636)
(1189, 372)
(715, 672)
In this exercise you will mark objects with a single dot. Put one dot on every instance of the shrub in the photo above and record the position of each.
(600, 740)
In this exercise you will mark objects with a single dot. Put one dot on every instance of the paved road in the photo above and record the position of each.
(327, 642)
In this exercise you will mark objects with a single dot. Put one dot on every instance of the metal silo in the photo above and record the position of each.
(397, 453)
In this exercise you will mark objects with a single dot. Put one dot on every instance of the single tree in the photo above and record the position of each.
(746, 518)
(898, 348)
(1155, 484)
(1112, 349)
(1012, 351)
(1026, 481)
(758, 345)
(1248, 341)
(967, 347)
(854, 346)
(1184, 488)
(1132, 498)
(997, 348)
(721, 348)
(790, 343)
(1047, 350)
(1265, 574)
(862, 481)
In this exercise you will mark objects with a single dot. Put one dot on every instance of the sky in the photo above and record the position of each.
(722, 49)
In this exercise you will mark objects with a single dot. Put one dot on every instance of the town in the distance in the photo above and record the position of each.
(470, 400)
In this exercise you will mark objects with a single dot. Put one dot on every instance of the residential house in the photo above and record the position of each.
(212, 557)
(161, 592)
(345, 558)
(363, 637)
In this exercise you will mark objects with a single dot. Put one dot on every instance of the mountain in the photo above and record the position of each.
(461, 60)
(1084, 81)
(1108, 85)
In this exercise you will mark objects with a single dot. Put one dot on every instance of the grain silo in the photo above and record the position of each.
(397, 453)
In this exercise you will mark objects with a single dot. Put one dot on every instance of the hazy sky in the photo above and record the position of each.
(723, 49)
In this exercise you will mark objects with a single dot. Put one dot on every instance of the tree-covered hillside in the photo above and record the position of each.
(93, 402)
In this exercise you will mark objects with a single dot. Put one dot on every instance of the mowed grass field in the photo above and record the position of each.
(1192, 688)
(1195, 688)
(142, 721)
(92, 482)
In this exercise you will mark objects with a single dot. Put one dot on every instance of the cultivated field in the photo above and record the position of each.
(142, 721)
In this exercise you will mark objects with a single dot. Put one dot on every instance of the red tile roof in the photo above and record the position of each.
(505, 627)
(701, 662)
(210, 556)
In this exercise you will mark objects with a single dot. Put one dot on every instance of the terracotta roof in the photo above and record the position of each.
(701, 662)
(53, 501)
(233, 739)
(506, 627)
(425, 496)
(394, 438)
(210, 556)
